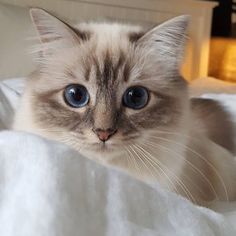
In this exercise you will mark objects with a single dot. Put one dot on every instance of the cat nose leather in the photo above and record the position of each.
(104, 135)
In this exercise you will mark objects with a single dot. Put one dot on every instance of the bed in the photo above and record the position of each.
(48, 189)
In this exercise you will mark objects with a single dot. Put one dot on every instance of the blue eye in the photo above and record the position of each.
(76, 95)
(136, 97)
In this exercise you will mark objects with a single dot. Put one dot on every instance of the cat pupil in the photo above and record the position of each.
(76, 96)
(136, 97)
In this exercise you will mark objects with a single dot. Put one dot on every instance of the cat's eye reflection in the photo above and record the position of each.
(76, 95)
(136, 97)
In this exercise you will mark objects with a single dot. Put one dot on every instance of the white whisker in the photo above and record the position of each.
(184, 188)
(201, 157)
(189, 163)
(154, 162)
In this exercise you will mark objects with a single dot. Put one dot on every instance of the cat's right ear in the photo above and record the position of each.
(167, 41)
(52, 32)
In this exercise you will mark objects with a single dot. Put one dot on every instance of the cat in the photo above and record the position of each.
(114, 92)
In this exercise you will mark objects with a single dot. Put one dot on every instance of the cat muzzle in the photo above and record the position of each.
(104, 135)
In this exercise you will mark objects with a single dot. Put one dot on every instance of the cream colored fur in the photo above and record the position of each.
(177, 155)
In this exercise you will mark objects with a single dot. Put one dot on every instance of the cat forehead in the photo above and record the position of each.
(112, 35)
(109, 50)
(105, 58)
(109, 29)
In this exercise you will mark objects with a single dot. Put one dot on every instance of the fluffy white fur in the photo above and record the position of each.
(178, 156)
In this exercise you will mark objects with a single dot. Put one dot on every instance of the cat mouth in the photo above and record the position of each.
(104, 147)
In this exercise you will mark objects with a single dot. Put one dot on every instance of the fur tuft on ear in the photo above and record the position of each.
(53, 33)
(51, 28)
(167, 41)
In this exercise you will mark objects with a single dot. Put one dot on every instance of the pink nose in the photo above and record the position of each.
(104, 135)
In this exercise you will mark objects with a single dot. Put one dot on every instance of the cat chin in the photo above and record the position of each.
(103, 155)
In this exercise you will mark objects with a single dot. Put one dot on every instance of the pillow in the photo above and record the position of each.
(15, 28)
(10, 92)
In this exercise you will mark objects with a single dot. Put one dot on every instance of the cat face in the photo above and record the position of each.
(102, 87)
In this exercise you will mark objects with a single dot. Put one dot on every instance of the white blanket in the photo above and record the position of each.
(47, 189)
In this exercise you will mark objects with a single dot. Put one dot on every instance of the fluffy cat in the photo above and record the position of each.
(114, 93)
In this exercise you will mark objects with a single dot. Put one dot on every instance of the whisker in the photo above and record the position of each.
(130, 163)
(161, 166)
(132, 158)
(202, 158)
(189, 163)
(138, 167)
(174, 133)
(183, 186)
(153, 164)
(140, 158)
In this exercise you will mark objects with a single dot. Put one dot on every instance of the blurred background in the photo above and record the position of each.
(211, 51)
(222, 61)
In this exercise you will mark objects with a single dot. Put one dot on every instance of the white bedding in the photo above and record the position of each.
(47, 189)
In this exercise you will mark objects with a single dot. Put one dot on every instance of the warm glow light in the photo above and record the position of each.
(223, 59)
(228, 71)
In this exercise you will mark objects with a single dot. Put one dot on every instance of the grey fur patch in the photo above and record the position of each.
(135, 36)
(217, 122)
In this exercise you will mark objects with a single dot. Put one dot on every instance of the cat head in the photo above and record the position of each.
(101, 87)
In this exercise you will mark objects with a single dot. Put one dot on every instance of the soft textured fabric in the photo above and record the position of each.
(10, 92)
(47, 189)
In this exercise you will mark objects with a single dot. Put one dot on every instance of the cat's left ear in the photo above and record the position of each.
(52, 31)
(167, 41)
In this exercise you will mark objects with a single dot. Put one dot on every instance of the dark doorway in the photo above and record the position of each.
(222, 21)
